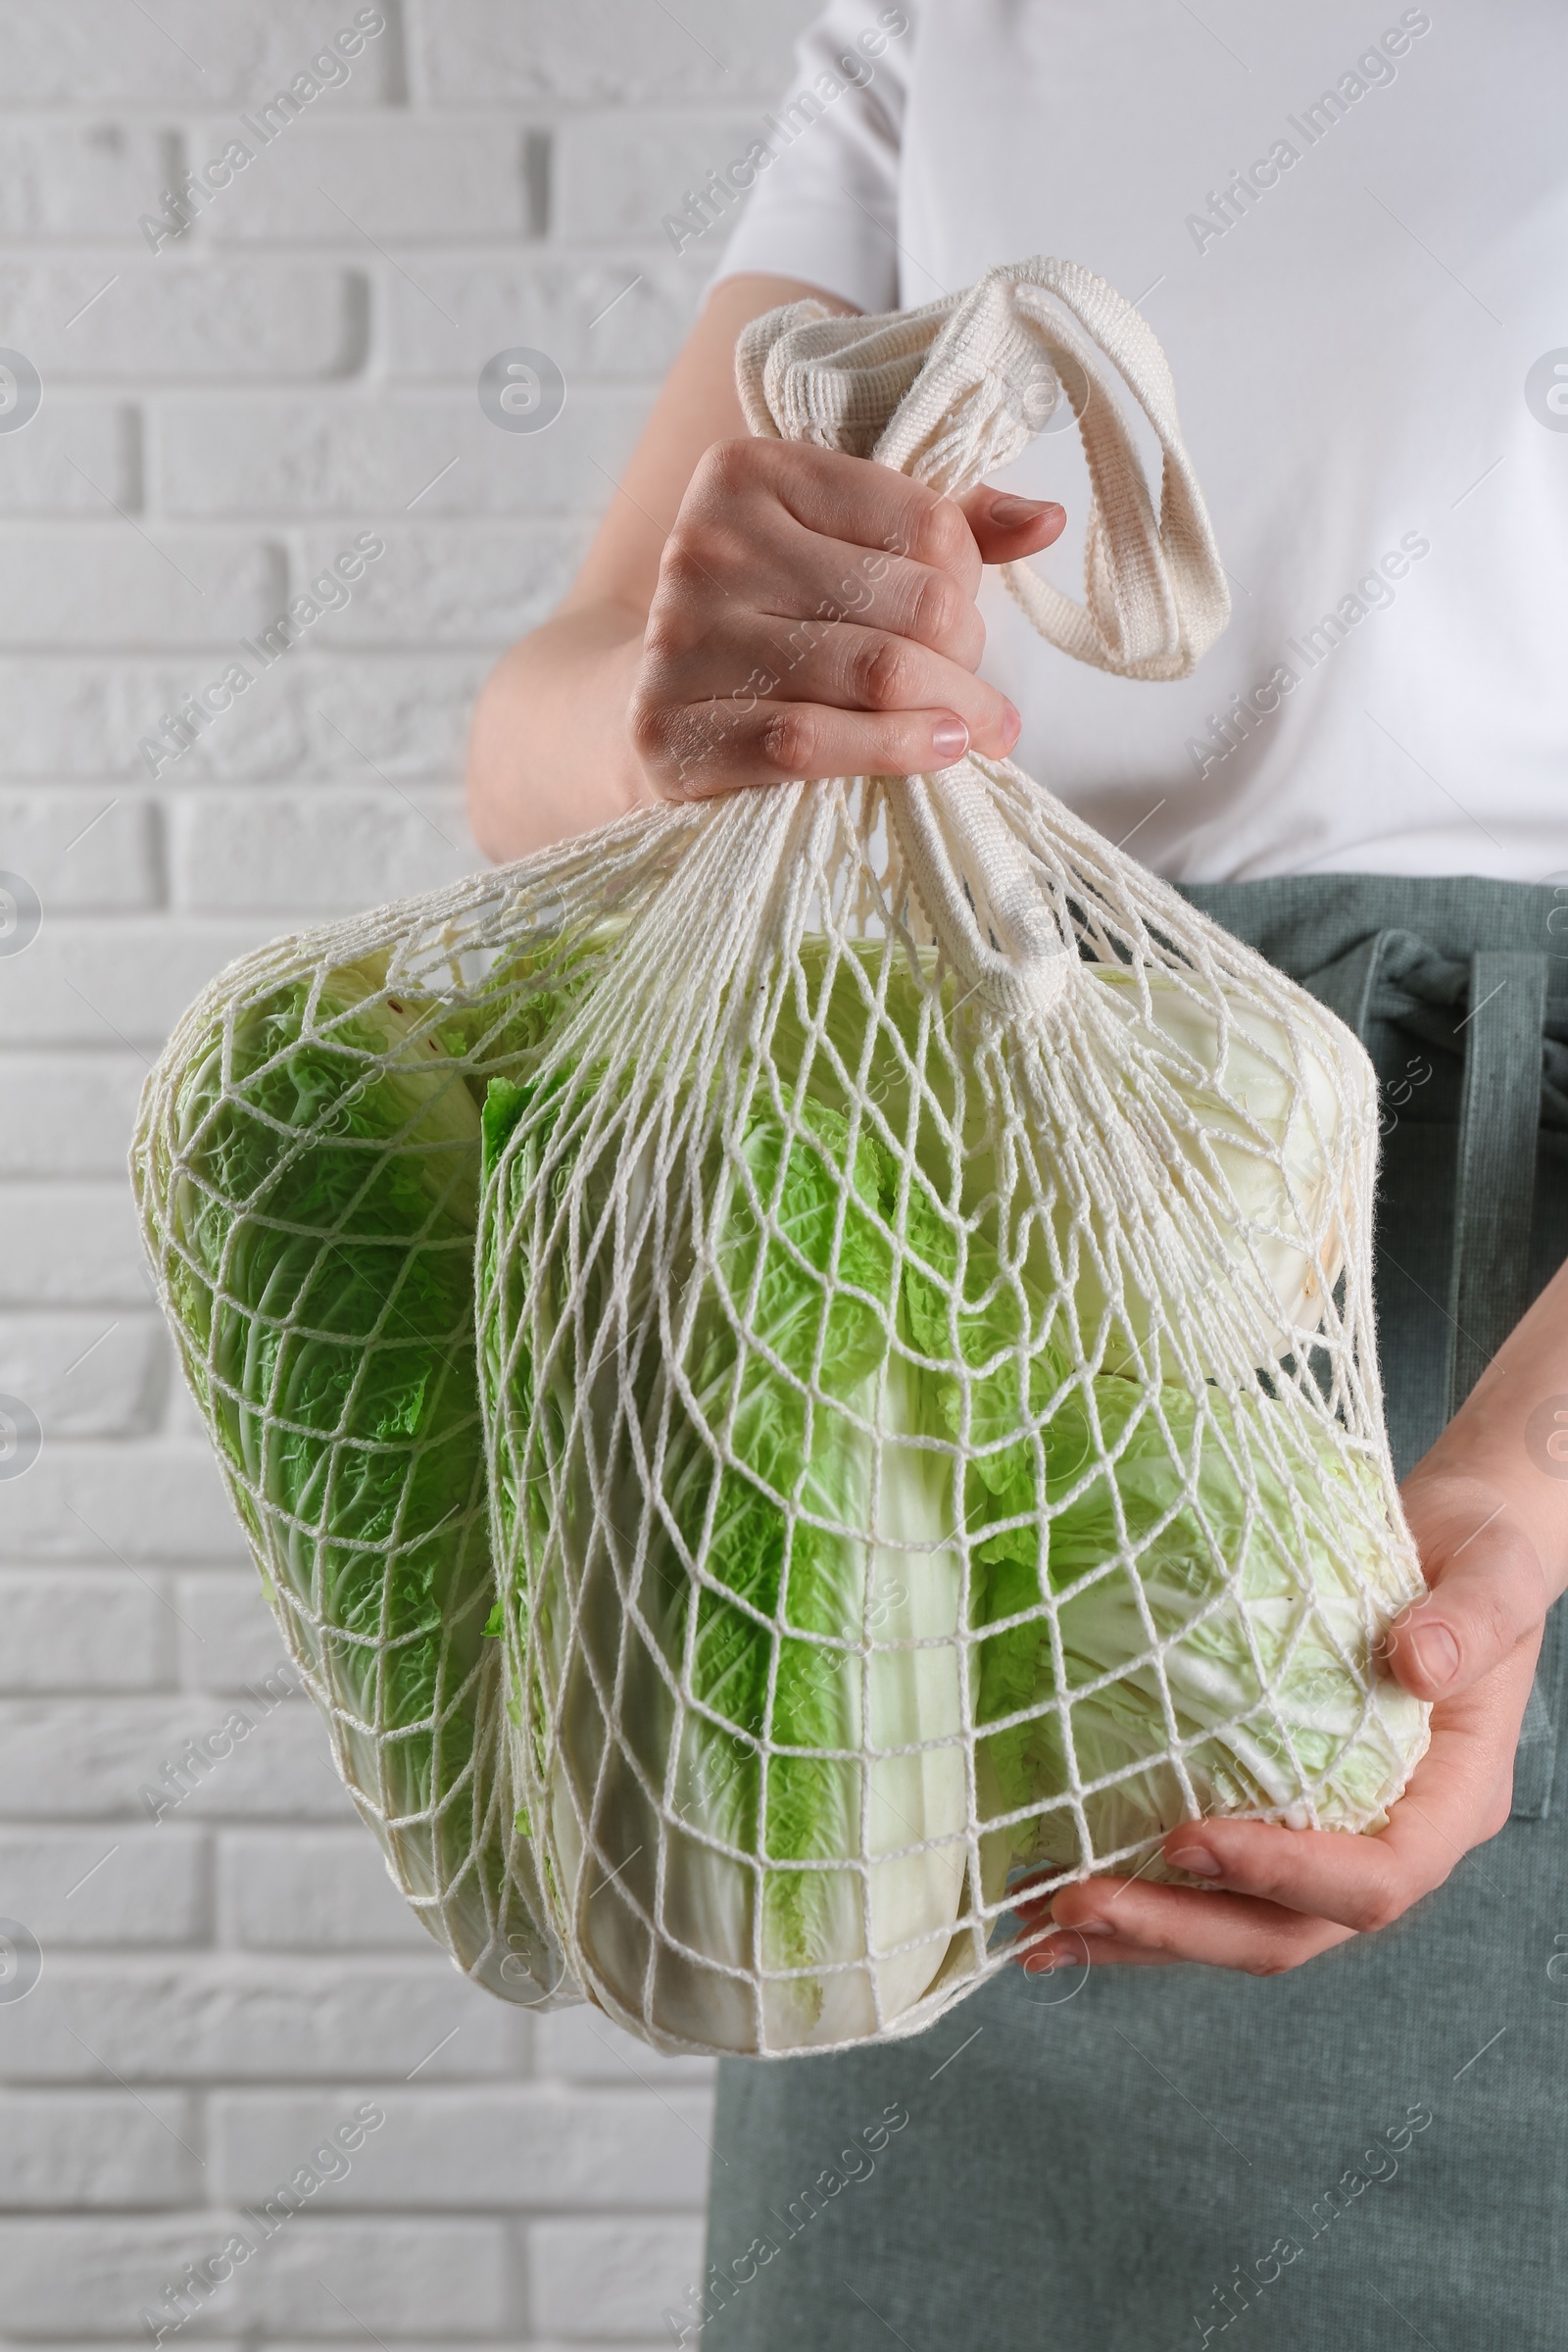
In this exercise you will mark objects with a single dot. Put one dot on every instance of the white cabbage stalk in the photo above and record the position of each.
(914, 1897)
(821, 1925)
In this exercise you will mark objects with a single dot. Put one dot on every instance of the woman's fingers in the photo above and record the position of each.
(834, 496)
(766, 561)
(1066, 1949)
(852, 667)
(780, 742)
(1130, 1923)
(815, 616)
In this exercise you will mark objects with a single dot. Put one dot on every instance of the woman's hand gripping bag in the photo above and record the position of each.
(924, 1306)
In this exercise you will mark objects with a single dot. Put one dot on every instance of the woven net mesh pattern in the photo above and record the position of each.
(810, 1355)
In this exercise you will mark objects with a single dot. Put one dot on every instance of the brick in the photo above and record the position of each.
(619, 175)
(70, 1243)
(191, 53)
(74, 450)
(75, 2147)
(582, 2046)
(86, 1375)
(91, 983)
(208, 2016)
(67, 1114)
(318, 851)
(101, 2274)
(299, 387)
(181, 318)
(409, 179)
(149, 1891)
(599, 315)
(81, 1630)
(66, 1761)
(227, 1636)
(405, 716)
(84, 848)
(473, 2148)
(457, 583)
(65, 717)
(113, 585)
(144, 1503)
(117, 2343)
(351, 457)
(610, 2279)
(608, 51)
(313, 1889)
(123, 2343)
(81, 179)
(300, 715)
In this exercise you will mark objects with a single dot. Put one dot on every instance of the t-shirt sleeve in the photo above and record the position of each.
(823, 164)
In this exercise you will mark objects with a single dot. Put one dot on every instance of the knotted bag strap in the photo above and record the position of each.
(946, 394)
(952, 391)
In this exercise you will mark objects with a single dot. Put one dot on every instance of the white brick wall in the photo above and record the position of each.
(221, 1989)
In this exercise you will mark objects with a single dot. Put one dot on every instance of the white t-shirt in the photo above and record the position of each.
(1369, 337)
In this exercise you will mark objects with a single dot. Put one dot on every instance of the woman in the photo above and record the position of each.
(1324, 2097)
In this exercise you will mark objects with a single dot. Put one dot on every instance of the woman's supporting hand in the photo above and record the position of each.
(1490, 1523)
(815, 616)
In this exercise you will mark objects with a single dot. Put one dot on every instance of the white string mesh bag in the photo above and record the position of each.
(926, 1324)
(914, 1272)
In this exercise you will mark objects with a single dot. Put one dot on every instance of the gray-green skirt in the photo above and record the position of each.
(1373, 2150)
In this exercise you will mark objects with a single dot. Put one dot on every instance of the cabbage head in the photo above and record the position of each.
(314, 1194)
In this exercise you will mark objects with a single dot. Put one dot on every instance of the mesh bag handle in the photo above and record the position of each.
(950, 391)
(944, 394)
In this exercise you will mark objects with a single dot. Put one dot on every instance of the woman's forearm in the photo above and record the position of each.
(548, 754)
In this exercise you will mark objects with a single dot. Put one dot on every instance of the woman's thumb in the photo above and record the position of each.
(1486, 1587)
(1007, 528)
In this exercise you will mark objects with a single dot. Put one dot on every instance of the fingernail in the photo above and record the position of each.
(1196, 1858)
(1040, 1964)
(950, 738)
(1080, 1926)
(1012, 511)
(1011, 726)
(1437, 1654)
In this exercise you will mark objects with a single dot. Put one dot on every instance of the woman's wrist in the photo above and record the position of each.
(1507, 1437)
(1498, 1460)
(1481, 1472)
(550, 754)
